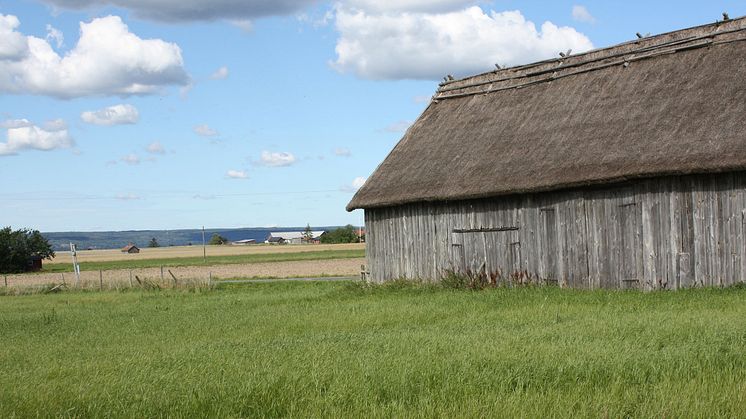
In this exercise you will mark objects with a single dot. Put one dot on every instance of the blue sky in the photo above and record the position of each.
(131, 114)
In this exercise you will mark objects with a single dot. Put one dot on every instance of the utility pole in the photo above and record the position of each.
(204, 249)
(76, 267)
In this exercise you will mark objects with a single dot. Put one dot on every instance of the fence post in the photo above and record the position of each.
(6, 280)
(100, 280)
(209, 279)
(130, 278)
(161, 273)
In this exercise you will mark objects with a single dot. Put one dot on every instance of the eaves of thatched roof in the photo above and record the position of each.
(664, 105)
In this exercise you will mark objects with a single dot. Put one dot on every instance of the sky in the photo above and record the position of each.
(164, 114)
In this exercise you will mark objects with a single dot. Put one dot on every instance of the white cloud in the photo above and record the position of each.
(277, 159)
(581, 14)
(245, 25)
(220, 74)
(107, 60)
(54, 34)
(127, 197)
(205, 131)
(58, 124)
(113, 115)
(315, 20)
(184, 90)
(155, 148)
(237, 174)
(22, 135)
(131, 159)
(15, 123)
(342, 152)
(14, 46)
(426, 6)
(430, 45)
(398, 126)
(356, 184)
(422, 99)
(193, 10)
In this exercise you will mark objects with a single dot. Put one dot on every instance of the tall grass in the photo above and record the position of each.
(345, 349)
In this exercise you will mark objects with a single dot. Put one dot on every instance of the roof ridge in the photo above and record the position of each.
(651, 46)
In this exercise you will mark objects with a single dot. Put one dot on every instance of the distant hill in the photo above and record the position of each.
(141, 238)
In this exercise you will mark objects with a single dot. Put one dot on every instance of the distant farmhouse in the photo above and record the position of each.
(130, 248)
(243, 242)
(622, 167)
(292, 237)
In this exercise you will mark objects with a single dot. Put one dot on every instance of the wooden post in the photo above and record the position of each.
(209, 279)
(204, 249)
(130, 278)
(100, 280)
(172, 276)
(161, 273)
(6, 280)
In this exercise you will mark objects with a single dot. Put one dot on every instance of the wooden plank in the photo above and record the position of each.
(686, 231)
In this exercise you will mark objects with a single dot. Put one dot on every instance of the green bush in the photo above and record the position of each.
(346, 234)
(17, 247)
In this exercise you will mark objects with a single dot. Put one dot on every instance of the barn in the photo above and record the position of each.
(622, 167)
(130, 248)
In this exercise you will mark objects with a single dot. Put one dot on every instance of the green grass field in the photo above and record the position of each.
(211, 260)
(340, 349)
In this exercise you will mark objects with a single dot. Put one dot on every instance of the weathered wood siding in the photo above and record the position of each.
(667, 232)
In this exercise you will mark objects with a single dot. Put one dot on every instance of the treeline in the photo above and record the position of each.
(346, 234)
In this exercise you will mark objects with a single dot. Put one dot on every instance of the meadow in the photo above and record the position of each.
(346, 349)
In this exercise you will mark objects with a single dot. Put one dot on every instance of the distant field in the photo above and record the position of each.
(95, 260)
(195, 252)
(343, 350)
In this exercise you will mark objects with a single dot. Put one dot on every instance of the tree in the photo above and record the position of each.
(308, 234)
(346, 234)
(19, 246)
(153, 243)
(217, 239)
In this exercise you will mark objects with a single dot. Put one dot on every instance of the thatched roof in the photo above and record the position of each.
(662, 105)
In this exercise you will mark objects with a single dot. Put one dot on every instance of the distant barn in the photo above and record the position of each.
(34, 264)
(622, 167)
(243, 242)
(130, 248)
(292, 237)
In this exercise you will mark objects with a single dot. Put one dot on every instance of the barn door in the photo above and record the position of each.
(495, 252)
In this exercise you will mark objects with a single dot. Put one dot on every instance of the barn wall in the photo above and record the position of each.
(661, 233)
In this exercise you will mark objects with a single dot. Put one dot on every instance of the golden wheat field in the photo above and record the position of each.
(125, 275)
(196, 251)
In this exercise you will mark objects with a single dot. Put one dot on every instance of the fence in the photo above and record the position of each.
(161, 277)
